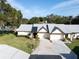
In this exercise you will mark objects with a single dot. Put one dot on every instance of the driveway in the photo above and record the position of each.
(54, 50)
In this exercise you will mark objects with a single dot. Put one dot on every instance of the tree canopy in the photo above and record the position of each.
(10, 16)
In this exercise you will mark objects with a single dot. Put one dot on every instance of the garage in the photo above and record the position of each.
(42, 33)
(56, 35)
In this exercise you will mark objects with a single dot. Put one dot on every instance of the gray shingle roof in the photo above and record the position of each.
(49, 27)
(74, 28)
(5, 28)
(24, 27)
(64, 28)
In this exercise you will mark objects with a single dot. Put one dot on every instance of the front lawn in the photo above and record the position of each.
(74, 46)
(22, 43)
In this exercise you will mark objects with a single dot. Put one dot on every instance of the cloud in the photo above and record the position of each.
(64, 6)
(27, 13)
(68, 7)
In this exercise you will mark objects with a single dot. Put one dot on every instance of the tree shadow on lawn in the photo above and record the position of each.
(76, 51)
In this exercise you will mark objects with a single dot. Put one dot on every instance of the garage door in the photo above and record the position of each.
(41, 35)
(55, 37)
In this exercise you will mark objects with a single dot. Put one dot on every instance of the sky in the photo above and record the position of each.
(37, 8)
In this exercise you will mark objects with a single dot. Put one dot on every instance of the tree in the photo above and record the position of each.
(10, 15)
(24, 21)
(58, 19)
(34, 20)
(75, 20)
(3, 0)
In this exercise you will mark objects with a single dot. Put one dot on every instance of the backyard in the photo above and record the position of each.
(74, 46)
(22, 43)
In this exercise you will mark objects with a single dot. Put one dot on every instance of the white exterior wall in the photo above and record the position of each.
(73, 35)
(57, 36)
(77, 35)
(42, 33)
(23, 33)
(69, 35)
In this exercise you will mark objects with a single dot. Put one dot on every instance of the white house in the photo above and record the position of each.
(49, 31)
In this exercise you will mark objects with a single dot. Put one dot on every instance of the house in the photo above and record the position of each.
(49, 31)
(6, 29)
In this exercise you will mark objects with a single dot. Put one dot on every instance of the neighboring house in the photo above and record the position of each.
(6, 28)
(49, 31)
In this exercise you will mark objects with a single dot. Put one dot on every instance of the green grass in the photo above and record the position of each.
(74, 46)
(21, 43)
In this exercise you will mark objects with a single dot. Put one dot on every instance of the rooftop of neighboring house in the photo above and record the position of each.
(6, 28)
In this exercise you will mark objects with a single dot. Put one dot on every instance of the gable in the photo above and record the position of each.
(56, 31)
(42, 30)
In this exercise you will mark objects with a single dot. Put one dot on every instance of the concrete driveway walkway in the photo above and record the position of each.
(54, 50)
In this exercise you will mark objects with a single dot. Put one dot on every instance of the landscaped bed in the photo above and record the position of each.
(74, 46)
(22, 43)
